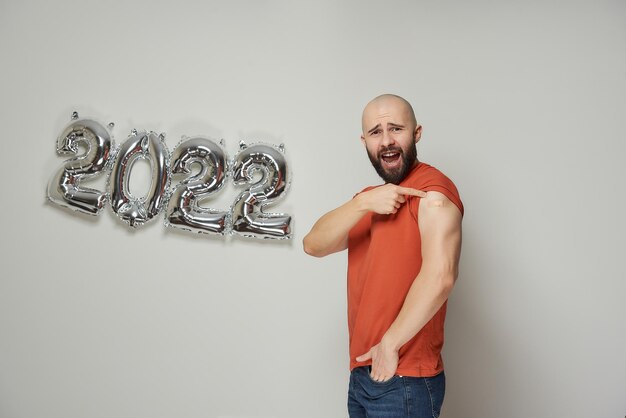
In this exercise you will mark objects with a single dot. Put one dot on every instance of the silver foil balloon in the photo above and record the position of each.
(248, 218)
(131, 209)
(64, 187)
(183, 210)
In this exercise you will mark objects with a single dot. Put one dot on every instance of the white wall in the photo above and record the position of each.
(522, 106)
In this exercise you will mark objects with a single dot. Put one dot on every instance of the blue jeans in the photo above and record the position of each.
(398, 397)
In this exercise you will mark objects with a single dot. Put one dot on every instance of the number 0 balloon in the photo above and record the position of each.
(137, 211)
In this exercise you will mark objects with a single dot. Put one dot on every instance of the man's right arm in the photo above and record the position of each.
(330, 233)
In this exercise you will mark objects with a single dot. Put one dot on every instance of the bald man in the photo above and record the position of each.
(404, 242)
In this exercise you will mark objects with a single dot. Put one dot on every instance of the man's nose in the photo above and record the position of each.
(387, 139)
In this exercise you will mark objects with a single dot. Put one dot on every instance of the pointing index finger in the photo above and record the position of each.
(411, 192)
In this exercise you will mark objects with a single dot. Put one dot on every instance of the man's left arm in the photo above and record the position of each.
(440, 227)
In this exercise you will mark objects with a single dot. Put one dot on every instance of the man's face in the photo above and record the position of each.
(389, 135)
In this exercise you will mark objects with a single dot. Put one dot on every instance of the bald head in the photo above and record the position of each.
(385, 105)
(390, 134)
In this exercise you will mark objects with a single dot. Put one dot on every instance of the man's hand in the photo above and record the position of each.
(330, 232)
(384, 361)
(387, 199)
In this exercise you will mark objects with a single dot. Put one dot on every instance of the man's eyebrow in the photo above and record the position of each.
(397, 125)
(373, 129)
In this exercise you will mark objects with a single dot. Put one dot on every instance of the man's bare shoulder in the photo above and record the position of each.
(437, 199)
(437, 204)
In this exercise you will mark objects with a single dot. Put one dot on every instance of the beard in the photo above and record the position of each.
(395, 176)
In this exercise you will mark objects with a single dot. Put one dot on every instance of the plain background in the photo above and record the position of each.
(523, 106)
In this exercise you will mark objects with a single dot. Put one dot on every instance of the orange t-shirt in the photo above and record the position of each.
(384, 257)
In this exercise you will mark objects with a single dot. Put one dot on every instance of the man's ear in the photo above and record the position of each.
(417, 134)
(362, 140)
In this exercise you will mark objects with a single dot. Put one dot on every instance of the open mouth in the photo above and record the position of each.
(391, 159)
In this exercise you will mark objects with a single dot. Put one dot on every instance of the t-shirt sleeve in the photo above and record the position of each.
(364, 190)
(449, 192)
(438, 182)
